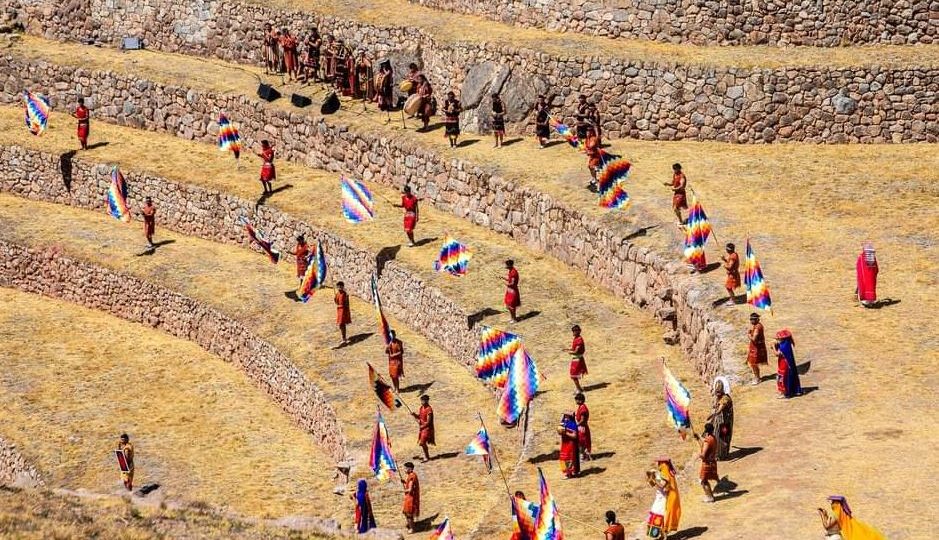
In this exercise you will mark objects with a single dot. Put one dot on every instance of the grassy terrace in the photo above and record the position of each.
(460, 28)
(73, 379)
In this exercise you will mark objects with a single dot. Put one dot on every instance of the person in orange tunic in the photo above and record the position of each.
(679, 197)
(268, 174)
(343, 314)
(149, 221)
(594, 155)
(756, 351)
(301, 252)
(513, 298)
(732, 266)
(708, 457)
(395, 352)
(411, 213)
(412, 496)
(614, 531)
(84, 122)
(425, 421)
(578, 367)
(582, 417)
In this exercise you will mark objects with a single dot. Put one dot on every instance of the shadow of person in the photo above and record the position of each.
(385, 255)
(530, 315)
(541, 458)
(98, 144)
(742, 452)
(883, 303)
(475, 318)
(509, 142)
(425, 524)
(642, 231)
(597, 386)
(265, 196)
(466, 142)
(425, 241)
(420, 388)
(691, 532)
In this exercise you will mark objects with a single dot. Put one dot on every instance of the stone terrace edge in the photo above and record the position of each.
(644, 100)
(775, 22)
(532, 218)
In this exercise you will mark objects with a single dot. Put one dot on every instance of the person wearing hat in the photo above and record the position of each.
(302, 253)
(787, 375)
(722, 416)
(732, 266)
(672, 500)
(756, 350)
(395, 352)
(411, 508)
(425, 422)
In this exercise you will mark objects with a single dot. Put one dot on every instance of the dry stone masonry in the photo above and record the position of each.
(15, 471)
(637, 99)
(818, 23)
(52, 274)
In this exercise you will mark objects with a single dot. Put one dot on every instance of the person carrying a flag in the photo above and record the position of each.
(302, 253)
(679, 195)
(732, 267)
(395, 352)
(425, 422)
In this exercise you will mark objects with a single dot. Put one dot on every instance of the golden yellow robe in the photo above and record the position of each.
(672, 501)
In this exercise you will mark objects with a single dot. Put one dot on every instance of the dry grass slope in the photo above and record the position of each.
(72, 379)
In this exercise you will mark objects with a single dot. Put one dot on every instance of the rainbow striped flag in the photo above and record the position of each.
(524, 517)
(677, 401)
(228, 138)
(520, 387)
(454, 258)
(257, 237)
(443, 531)
(697, 233)
(117, 196)
(609, 184)
(382, 321)
(37, 110)
(383, 391)
(757, 290)
(357, 205)
(315, 275)
(380, 459)
(564, 131)
(495, 354)
(480, 446)
(548, 524)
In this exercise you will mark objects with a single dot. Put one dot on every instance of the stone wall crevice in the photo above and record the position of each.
(637, 99)
(49, 273)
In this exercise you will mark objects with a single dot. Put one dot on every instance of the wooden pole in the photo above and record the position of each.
(494, 457)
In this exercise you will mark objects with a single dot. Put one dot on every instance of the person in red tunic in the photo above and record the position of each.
(732, 266)
(411, 213)
(149, 221)
(425, 422)
(302, 253)
(569, 455)
(412, 496)
(268, 174)
(679, 197)
(708, 457)
(578, 367)
(594, 155)
(84, 122)
(582, 417)
(867, 275)
(756, 352)
(614, 531)
(513, 298)
(343, 314)
(288, 44)
(395, 352)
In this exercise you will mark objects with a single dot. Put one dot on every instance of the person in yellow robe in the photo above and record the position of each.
(673, 500)
(851, 528)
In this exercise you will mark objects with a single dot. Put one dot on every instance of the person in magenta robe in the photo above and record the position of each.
(867, 276)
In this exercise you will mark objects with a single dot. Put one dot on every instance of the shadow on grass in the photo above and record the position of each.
(602, 455)
(476, 318)
(591, 471)
(742, 452)
(98, 144)
(425, 241)
(597, 386)
(883, 303)
(467, 142)
(642, 231)
(425, 524)
(804, 367)
(152, 249)
(420, 388)
(359, 338)
(710, 268)
(530, 315)
(292, 295)
(265, 196)
(685, 534)
(446, 455)
(541, 458)
(385, 255)
(509, 142)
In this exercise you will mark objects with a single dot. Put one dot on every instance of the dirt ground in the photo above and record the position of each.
(807, 209)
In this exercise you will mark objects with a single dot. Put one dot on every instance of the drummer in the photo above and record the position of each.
(414, 77)
(428, 107)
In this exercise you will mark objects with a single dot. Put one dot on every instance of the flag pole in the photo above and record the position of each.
(494, 457)
(588, 525)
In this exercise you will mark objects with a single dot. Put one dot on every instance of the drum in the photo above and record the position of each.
(406, 86)
(413, 105)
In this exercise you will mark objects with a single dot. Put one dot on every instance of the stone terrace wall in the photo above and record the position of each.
(214, 216)
(637, 99)
(533, 218)
(51, 274)
(14, 469)
(820, 23)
